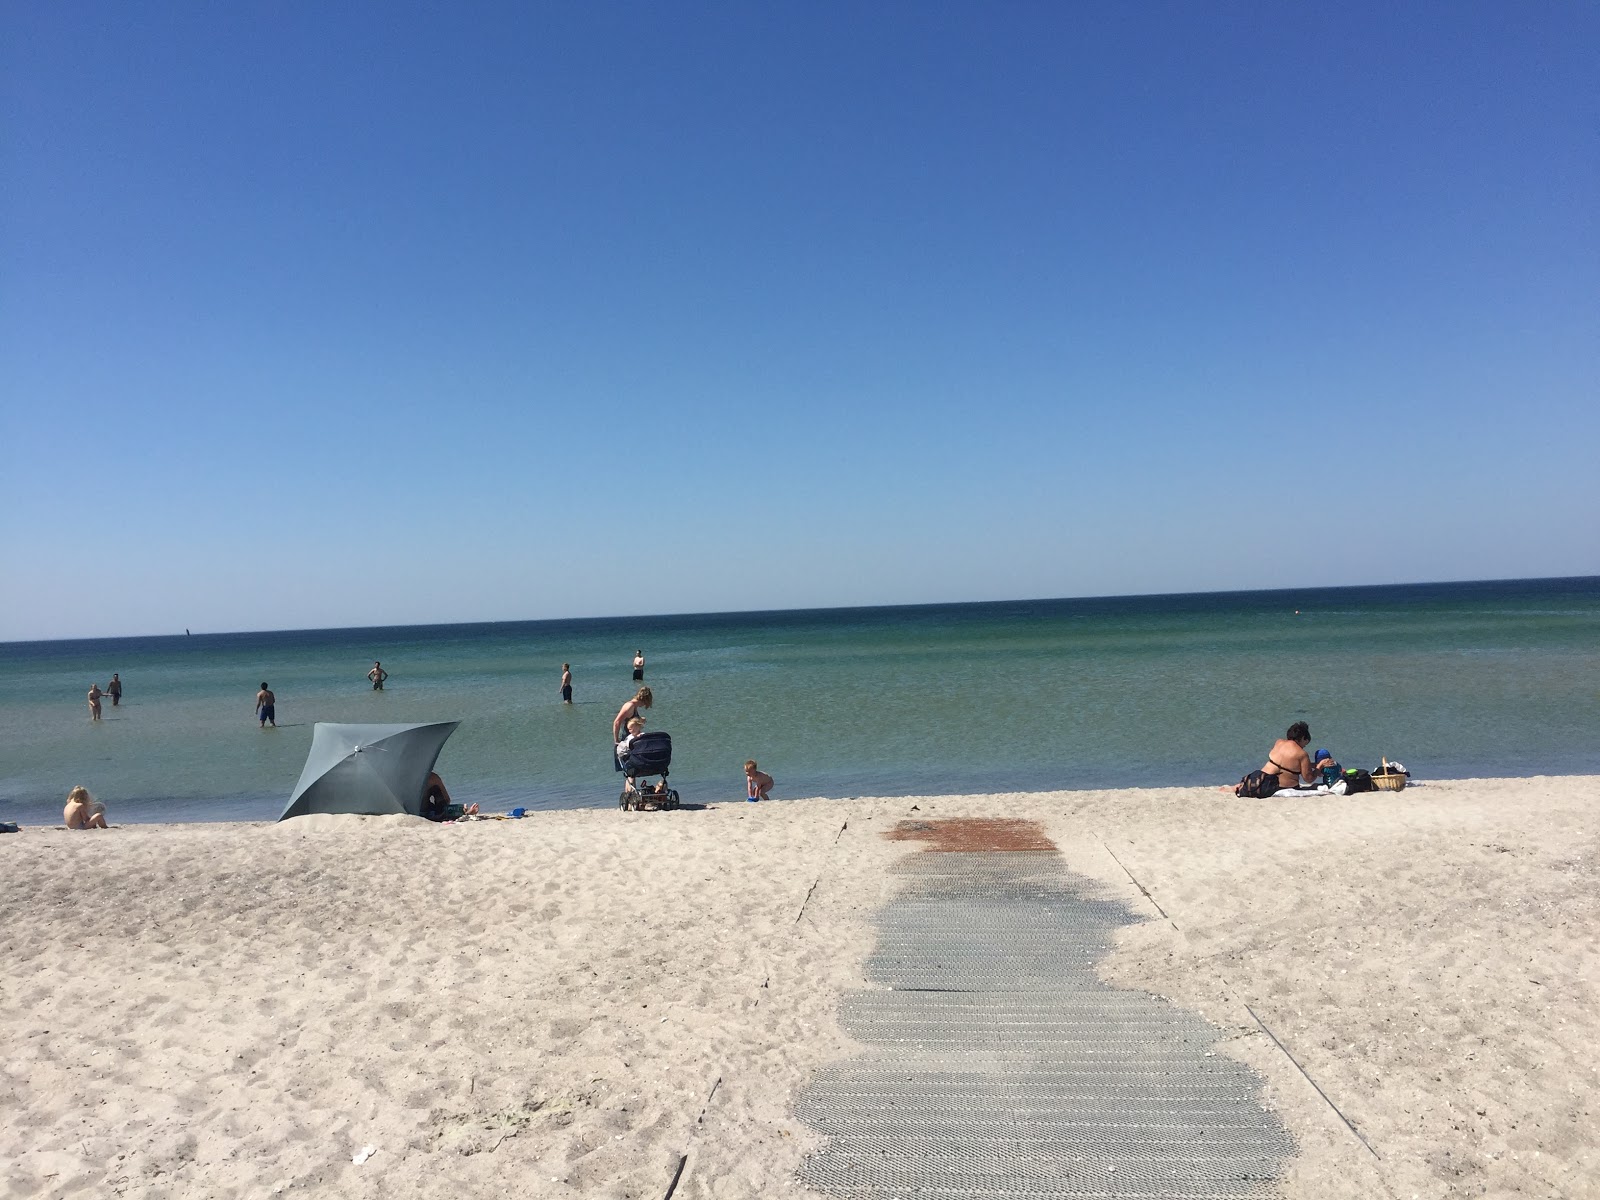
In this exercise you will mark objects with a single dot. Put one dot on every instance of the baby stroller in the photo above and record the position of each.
(649, 754)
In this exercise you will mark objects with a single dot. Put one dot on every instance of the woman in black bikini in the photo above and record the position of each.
(642, 700)
(1288, 760)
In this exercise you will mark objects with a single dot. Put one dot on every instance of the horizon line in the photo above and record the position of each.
(747, 612)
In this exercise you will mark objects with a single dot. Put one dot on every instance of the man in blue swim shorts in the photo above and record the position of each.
(267, 706)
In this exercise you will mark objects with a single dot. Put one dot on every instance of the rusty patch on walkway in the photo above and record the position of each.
(958, 834)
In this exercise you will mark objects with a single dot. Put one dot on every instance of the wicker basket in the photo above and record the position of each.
(1387, 780)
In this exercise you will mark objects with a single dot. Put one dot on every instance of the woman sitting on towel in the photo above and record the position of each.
(1288, 760)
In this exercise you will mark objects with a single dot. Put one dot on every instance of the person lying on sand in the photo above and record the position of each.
(83, 811)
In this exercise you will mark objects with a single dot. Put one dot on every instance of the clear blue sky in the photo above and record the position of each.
(361, 314)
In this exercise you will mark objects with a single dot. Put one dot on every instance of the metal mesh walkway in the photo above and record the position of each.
(999, 1066)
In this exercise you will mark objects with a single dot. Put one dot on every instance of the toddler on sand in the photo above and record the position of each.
(758, 784)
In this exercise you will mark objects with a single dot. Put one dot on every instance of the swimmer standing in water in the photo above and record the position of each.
(267, 706)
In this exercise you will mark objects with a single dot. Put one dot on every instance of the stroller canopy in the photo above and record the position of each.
(649, 754)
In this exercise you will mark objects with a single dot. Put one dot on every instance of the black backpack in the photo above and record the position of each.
(1258, 785)
(1358, 780)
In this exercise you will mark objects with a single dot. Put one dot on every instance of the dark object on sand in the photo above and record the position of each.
(1257, 785)
(1356, 780)
(368, 769)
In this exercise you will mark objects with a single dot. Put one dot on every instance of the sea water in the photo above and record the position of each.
(1455, 680)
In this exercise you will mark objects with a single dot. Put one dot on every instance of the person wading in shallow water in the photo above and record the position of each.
(638, 666)
(566, 683)
(114, 689)
(94, 701)
(267, 706)
(377, 675)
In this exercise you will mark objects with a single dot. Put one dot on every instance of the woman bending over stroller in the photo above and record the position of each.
(642, 699)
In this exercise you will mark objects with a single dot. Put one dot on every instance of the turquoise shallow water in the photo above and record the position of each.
(1454, 679)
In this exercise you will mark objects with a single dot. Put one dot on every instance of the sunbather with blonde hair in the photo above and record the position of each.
(83, 811)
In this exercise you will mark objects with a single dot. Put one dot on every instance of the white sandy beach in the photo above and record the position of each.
(543, 1007)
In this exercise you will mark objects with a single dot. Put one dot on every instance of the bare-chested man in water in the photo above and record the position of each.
(1288, 760)
(267, 706)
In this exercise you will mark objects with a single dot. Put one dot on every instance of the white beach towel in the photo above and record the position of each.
(1320, 790)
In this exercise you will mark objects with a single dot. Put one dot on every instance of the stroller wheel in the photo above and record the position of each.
(672, 799)
(622, 802)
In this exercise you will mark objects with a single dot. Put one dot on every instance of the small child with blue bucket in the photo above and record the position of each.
(757, 783)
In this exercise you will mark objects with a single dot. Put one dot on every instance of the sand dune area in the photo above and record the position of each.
(594, 1003)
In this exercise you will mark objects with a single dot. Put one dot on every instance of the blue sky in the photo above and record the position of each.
(365, 314)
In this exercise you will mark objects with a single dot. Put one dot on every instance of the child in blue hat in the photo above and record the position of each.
(1331, 771)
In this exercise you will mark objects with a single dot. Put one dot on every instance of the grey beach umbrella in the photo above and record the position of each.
(369, 769)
